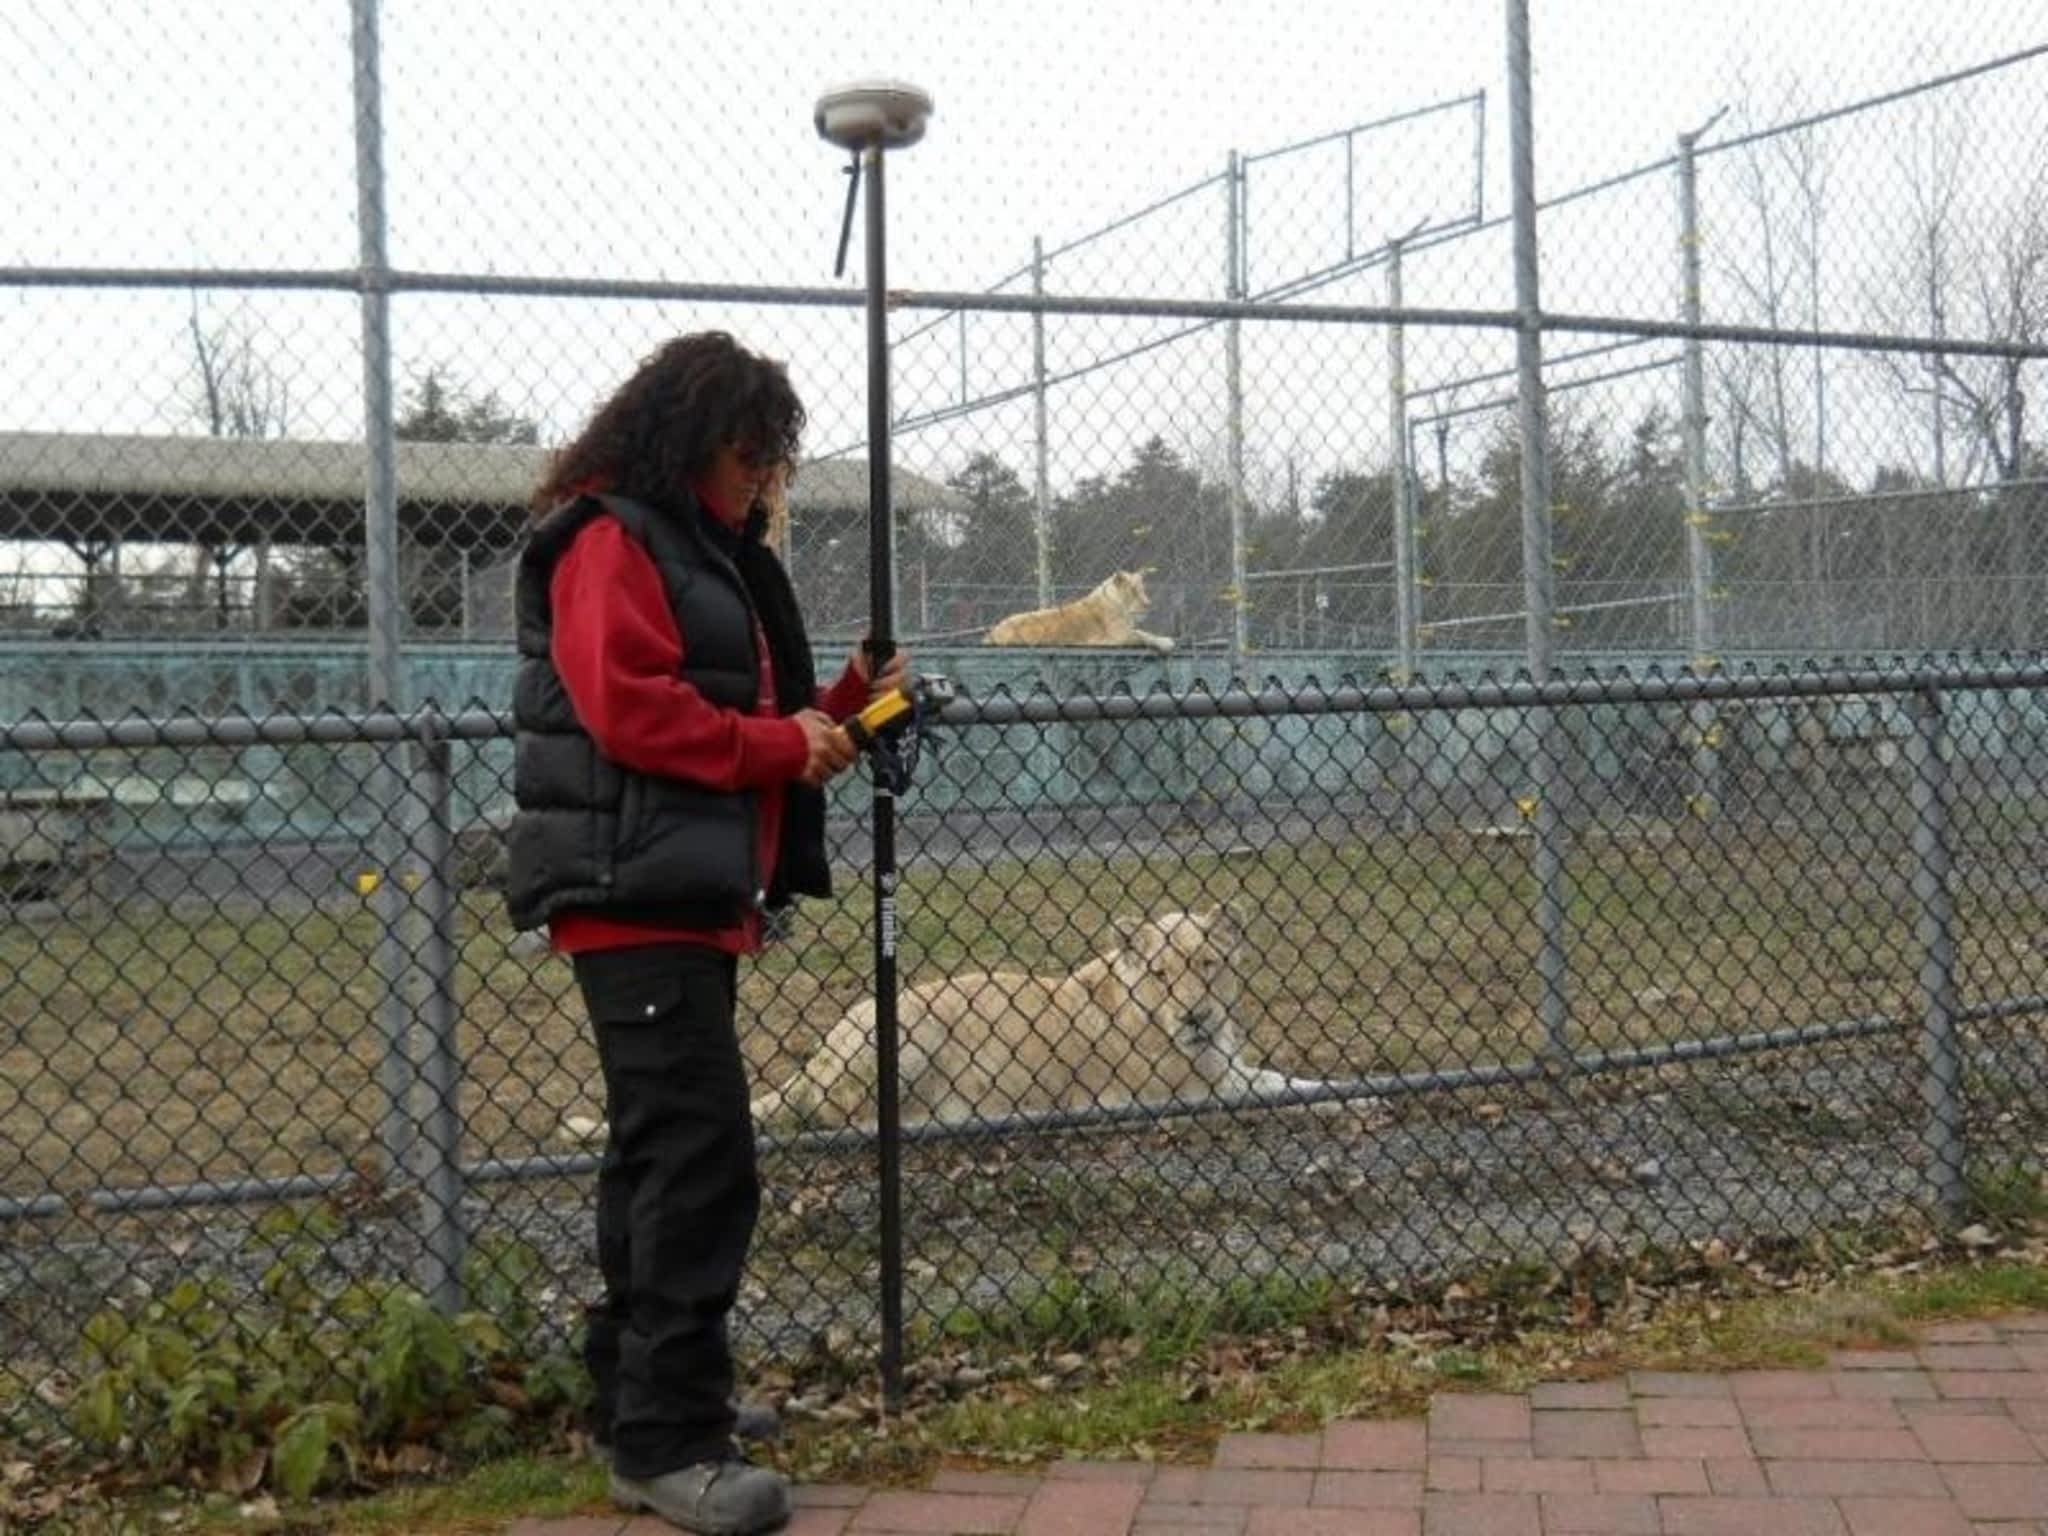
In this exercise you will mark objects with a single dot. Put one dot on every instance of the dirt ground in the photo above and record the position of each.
(146, 1044)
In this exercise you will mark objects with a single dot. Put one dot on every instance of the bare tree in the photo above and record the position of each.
(1762, 269)
(1921, 294)
(1916, 297)
(1769, 254)
(1985, 278)
(1804, 159)
(236, 394)
(2002, 293)
(1775, 267)
(1736, 384)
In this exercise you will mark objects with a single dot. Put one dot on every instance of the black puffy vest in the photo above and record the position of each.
(590, 833)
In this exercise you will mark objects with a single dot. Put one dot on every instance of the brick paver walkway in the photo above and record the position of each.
(1949, 1439)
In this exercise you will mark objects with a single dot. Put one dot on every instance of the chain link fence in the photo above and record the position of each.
(1203, 991)
(183, 456)
(1377, 967)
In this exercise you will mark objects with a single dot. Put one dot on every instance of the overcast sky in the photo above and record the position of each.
(673, 139)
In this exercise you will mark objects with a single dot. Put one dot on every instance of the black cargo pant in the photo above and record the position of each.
(677, 1197)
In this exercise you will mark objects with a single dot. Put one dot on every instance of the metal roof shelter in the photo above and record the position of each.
(94, 488)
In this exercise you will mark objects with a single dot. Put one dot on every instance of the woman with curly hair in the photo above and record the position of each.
(672, 745)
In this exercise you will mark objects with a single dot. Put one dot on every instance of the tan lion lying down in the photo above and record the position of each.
(1107, 616)
(1150, 1022)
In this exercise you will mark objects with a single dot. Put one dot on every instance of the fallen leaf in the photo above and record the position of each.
(246, 1475)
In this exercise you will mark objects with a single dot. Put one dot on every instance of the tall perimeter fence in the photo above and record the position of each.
(1518, 855)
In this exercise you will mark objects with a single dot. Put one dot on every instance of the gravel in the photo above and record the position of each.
(1821, 1138)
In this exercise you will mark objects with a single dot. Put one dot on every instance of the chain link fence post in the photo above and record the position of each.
(1407, 616)
(1041, 443)
(386, 675)
(1537, 576)
(414, 1035)
(438, 1076)
(1699, 554)
(1407, 729)
(1233, 383)
(1945, 1129)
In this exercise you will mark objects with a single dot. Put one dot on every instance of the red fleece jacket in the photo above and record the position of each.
(620, 657)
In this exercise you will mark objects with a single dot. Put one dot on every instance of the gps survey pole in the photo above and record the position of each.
(867, 119)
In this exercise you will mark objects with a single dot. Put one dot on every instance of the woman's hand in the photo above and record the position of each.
(827, 748)
(894, 671)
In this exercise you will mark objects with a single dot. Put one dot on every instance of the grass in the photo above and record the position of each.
(1172, 1390)
(1168, 1319)
(140, 1045)
(1150, 1410)
(484, 1499)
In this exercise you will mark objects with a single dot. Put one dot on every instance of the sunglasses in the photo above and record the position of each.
(752, 456)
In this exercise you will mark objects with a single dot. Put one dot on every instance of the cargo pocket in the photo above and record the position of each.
(631, 986)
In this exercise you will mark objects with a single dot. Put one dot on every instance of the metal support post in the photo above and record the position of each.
(1538, 599)
(1944, 1126)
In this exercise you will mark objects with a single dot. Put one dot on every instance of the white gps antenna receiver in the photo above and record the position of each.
(864, 115)
(887, 113)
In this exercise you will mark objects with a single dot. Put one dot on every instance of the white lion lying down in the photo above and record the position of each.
(1153, 1021)
(1106, 616)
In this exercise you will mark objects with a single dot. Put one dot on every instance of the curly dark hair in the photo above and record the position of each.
(661, 429)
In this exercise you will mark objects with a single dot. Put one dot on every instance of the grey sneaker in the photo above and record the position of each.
(711, 1498)
(752, 1421)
